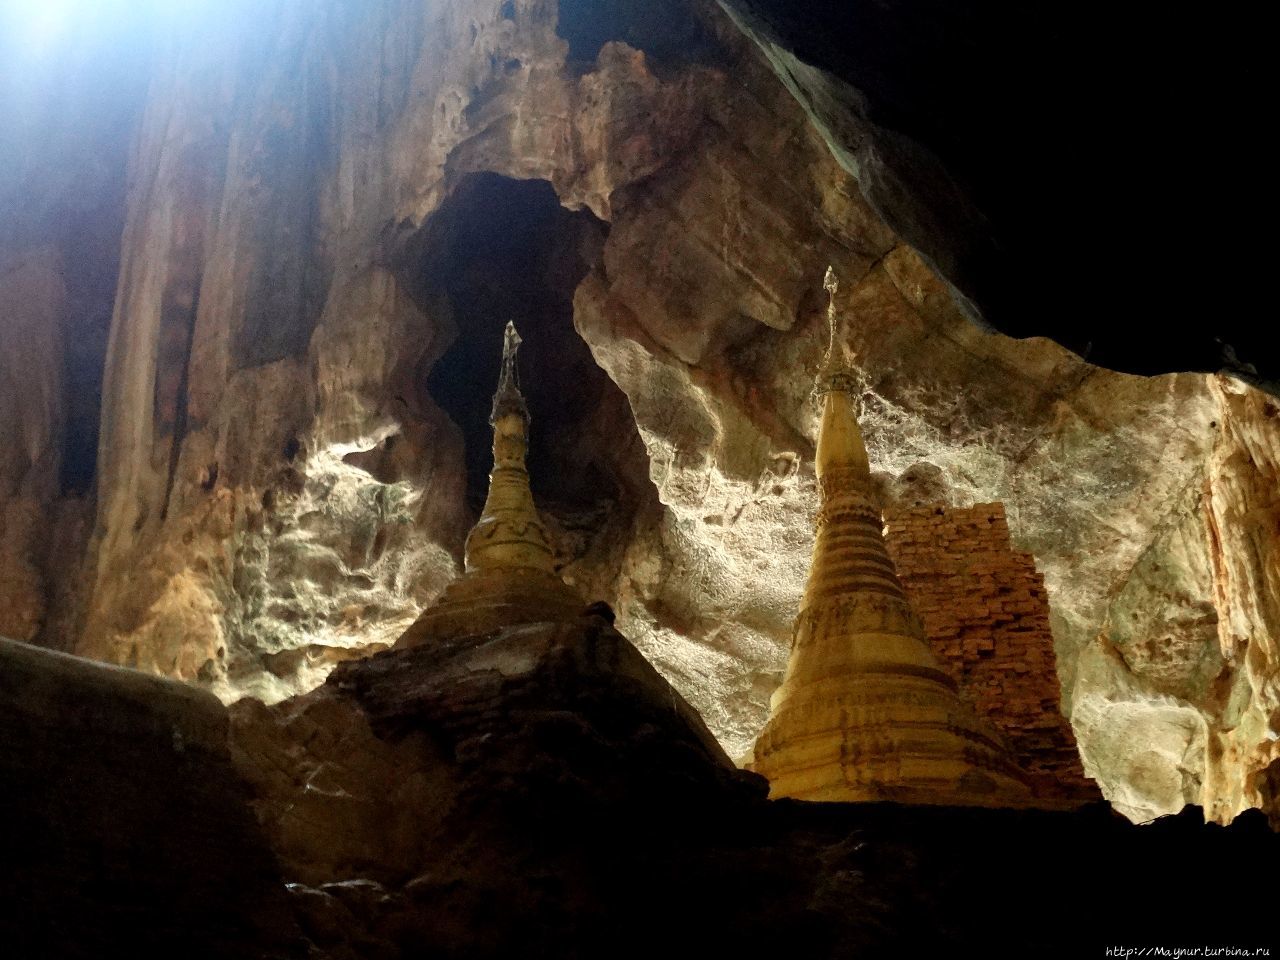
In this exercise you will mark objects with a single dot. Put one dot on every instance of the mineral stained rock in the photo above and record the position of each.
(281, 481)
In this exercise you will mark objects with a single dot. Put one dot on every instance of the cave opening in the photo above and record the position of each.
(500, 249)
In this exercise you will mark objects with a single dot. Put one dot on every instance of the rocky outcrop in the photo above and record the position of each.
(283, 476)
(538, 791)
(126, 831)
(67, 116)
(541, 790)
(1176, 695)
(388, 754)
(32, 299)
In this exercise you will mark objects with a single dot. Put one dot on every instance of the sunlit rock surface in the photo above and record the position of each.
(282, 480)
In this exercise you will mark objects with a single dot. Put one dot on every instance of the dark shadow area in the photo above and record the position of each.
(95, 864)
(91, 256)
(1114, 152)
(668, 31)
(498, 250)
(69, 111)
(588, 814)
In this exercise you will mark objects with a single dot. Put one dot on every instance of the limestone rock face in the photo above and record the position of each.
(66, 121)
(282, 480)
(32, 300)
(951, 115)
(543, 767)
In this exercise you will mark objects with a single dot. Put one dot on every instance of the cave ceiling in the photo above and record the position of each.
(1066, 166)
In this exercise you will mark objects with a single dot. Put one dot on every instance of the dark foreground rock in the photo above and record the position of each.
(550, 795)
(124, 830)
(539, 792)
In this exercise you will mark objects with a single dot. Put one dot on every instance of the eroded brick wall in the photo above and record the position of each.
(986, 613)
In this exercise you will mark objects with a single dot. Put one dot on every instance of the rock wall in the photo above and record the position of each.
(1242, 503)
(986, 615)
(44, 513)
(952, 115)
(275, 491)
(126, 831)
(31, 300)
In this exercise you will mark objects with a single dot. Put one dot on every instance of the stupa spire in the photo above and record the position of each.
(509, 571)
(509, 532)
(842, 454)
(865, 711)
(508, 398)
(835, 373)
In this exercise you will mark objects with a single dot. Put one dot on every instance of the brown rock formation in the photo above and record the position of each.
(32, 302)
(126, 831)
(1243, 516)
(542, 791)
(417, 788)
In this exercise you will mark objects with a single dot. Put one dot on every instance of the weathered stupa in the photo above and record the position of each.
(509, 576)
(865, 711)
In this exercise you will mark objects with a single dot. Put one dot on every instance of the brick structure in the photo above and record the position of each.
(986, 614)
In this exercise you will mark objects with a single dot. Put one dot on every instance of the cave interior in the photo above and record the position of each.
(1004, 679)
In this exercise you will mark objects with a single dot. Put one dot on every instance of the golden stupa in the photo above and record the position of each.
(509, 576)
(865, 711)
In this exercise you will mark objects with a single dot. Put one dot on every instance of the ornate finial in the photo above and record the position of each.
(834, 374)
(507, 398)
(831, 284)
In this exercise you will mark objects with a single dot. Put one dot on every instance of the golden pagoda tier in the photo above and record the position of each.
(865, 710)
(509, 575)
